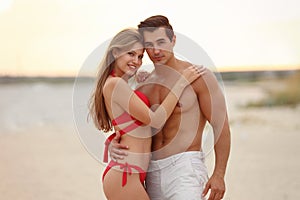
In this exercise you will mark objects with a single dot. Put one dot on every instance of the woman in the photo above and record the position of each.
(114, 105)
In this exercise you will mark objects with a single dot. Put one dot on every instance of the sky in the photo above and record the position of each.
(55, 37)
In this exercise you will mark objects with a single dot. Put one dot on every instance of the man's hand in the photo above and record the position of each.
(115, 148)
(216, 185)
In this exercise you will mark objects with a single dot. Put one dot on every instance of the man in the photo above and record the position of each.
(177, 170)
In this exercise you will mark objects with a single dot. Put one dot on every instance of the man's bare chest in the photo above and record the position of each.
(157, 94)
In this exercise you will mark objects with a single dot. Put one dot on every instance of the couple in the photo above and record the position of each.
(159, 126)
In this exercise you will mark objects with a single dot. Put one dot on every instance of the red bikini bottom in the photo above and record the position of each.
(127, 169)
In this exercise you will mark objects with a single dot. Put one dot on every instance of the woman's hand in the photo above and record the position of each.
(141, 76)
(193, 72)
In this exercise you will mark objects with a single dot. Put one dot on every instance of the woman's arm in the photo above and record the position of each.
(123, 95)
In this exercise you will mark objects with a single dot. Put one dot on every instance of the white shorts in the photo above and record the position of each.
(178, 177)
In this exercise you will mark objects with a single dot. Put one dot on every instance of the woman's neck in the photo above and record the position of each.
(118, 73)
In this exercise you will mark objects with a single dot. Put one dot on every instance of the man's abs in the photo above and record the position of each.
(176, 137)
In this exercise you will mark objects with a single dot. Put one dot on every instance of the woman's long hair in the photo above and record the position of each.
(124, 40)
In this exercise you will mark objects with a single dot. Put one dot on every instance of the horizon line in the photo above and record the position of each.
(223, 69)
(90, 76)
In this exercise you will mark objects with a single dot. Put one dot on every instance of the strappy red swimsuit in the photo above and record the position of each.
(124, 118)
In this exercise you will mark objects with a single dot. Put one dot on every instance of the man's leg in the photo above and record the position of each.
(185, 178)
(153, 183)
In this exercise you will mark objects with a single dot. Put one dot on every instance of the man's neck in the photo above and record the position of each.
(172, 63)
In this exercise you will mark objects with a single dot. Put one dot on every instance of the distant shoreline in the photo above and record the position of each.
(226, 76)
(34, 79)
(257, 75)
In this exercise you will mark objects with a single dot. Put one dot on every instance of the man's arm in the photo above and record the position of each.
(213, 106)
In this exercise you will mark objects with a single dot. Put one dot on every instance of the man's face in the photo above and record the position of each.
(158, 46)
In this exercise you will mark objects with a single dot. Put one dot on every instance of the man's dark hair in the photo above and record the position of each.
(154, 22)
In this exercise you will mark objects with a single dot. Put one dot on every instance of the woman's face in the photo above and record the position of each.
(127, 62)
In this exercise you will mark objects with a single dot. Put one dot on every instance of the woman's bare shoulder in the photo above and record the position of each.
(111, 83)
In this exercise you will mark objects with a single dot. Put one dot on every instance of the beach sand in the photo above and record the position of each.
(42, 156)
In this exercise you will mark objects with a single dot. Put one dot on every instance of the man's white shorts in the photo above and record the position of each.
(178, 177)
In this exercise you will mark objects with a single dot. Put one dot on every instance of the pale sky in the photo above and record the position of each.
(54, 37)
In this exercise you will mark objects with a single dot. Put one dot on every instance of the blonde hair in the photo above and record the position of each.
(124, 40)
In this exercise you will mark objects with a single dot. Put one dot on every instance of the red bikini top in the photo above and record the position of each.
(124, 118)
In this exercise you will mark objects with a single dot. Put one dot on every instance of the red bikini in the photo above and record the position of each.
(124, 118)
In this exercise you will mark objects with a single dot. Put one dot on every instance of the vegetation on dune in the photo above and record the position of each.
(287, 96)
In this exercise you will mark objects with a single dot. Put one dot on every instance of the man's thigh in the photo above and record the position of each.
(153, 185)
(183, 179)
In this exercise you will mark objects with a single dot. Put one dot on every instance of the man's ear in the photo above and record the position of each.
(174, 40)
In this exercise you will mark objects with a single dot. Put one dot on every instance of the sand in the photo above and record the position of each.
(42, 156)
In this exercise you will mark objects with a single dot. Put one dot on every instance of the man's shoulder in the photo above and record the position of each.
(206, 83)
